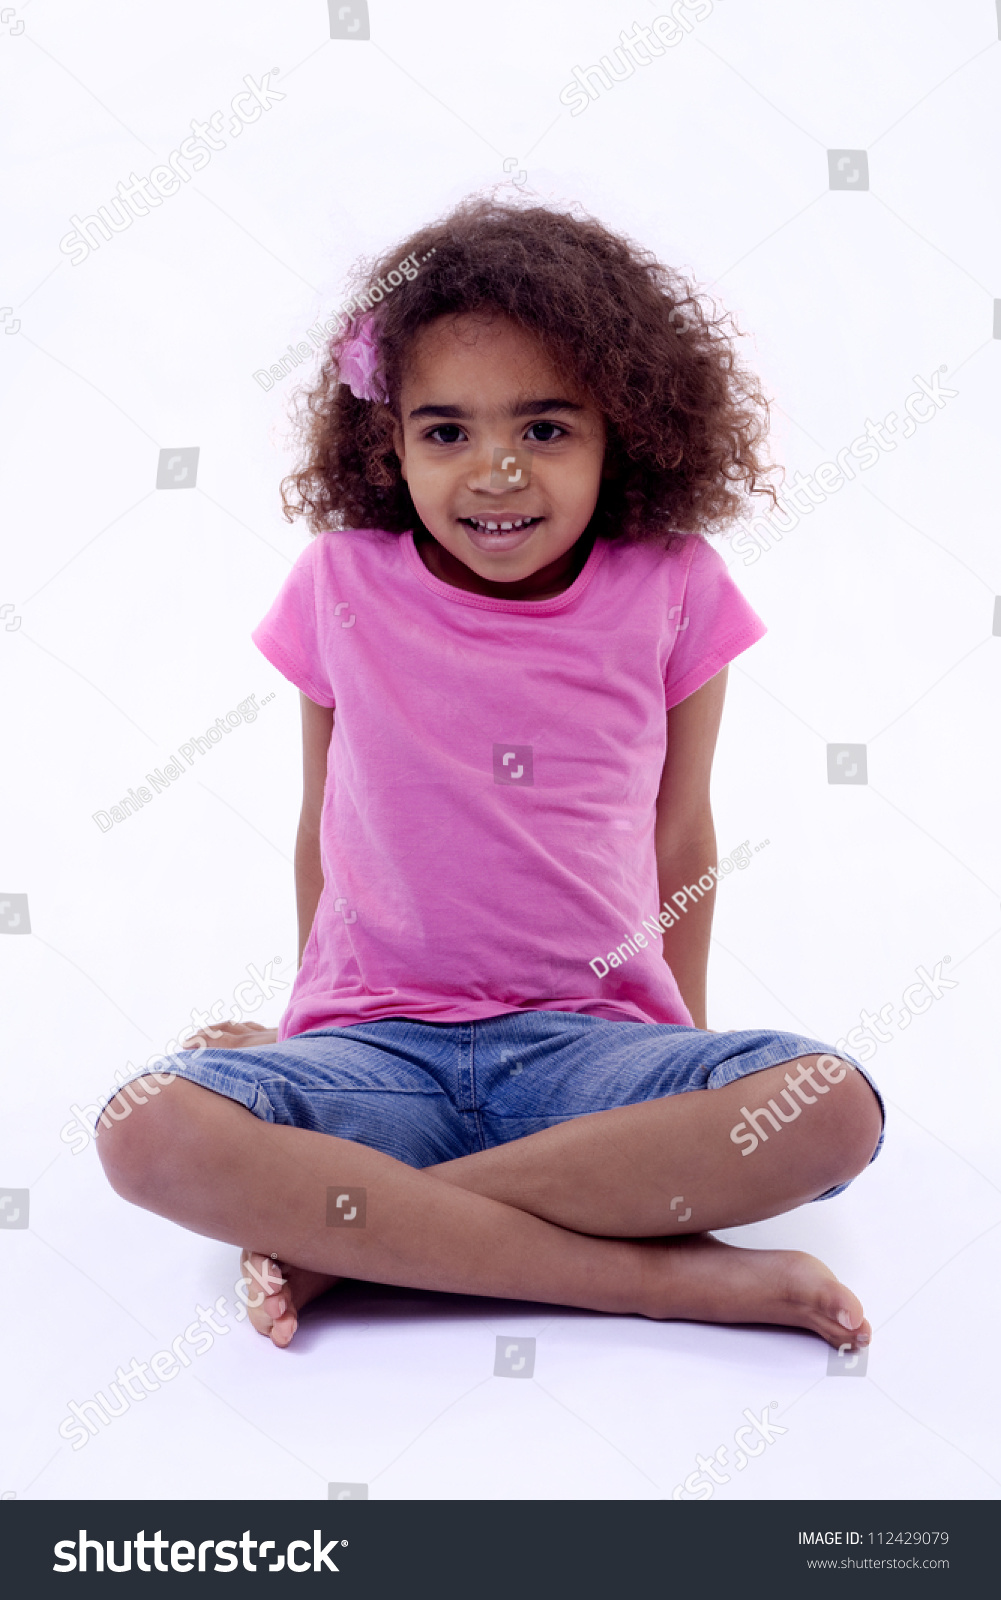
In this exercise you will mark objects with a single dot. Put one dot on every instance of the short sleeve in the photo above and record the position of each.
(714, 625)
(289, 635)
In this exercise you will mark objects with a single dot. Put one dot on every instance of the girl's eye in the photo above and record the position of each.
(451, 433)
(452, 429)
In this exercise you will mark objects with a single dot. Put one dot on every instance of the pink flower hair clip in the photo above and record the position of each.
(357, 362)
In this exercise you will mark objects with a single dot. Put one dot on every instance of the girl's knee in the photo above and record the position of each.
(834, 1110)
(139, 1133)
(853, 1120)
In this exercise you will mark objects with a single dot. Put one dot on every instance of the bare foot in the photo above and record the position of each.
(695, 1278)
(285, 1290)
(231, 1036)
(701, 1279)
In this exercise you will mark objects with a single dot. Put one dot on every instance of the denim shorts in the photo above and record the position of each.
(427, 1092)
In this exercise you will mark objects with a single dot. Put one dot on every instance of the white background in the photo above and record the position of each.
(135, 609)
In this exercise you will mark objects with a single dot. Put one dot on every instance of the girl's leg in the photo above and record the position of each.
(204, 1161)
(669, 1166)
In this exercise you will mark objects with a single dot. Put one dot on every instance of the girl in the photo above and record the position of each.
(494, 1074)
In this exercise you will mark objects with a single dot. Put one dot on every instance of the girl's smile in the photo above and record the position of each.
(470, 393)
(493, 535)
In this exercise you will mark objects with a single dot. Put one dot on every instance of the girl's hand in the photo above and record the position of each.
(231, 1036)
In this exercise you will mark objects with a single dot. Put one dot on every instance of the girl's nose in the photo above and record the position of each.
(498, 468)
(480, 469)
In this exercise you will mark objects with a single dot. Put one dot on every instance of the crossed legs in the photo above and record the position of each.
(579, 1214)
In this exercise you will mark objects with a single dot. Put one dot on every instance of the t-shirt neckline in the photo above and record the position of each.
(483, 602)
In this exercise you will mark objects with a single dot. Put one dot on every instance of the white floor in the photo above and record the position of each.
(130, 631)
(395, 1390)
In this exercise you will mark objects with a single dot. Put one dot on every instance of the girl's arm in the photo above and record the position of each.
(317, 728)
(685, 838)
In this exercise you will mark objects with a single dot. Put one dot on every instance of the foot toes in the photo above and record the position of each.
(844, 1311)
(848, 1313)
(283, 1328)
(277, 1291)
(262, 1275)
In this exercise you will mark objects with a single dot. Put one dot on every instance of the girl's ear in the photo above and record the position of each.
(400, 449)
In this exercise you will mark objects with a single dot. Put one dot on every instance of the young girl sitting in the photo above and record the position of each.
(494, 1075)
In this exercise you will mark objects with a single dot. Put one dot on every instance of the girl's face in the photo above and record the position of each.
(502, 460)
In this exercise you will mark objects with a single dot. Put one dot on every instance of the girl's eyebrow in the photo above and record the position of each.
(518, 408)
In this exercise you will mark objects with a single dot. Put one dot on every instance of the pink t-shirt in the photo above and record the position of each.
(488, 818)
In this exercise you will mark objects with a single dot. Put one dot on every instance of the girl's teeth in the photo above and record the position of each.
(502, 527)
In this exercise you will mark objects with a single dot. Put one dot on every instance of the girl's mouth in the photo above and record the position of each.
(498, 524)
(499, 533)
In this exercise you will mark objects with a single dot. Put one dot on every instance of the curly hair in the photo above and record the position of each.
(685, 421)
